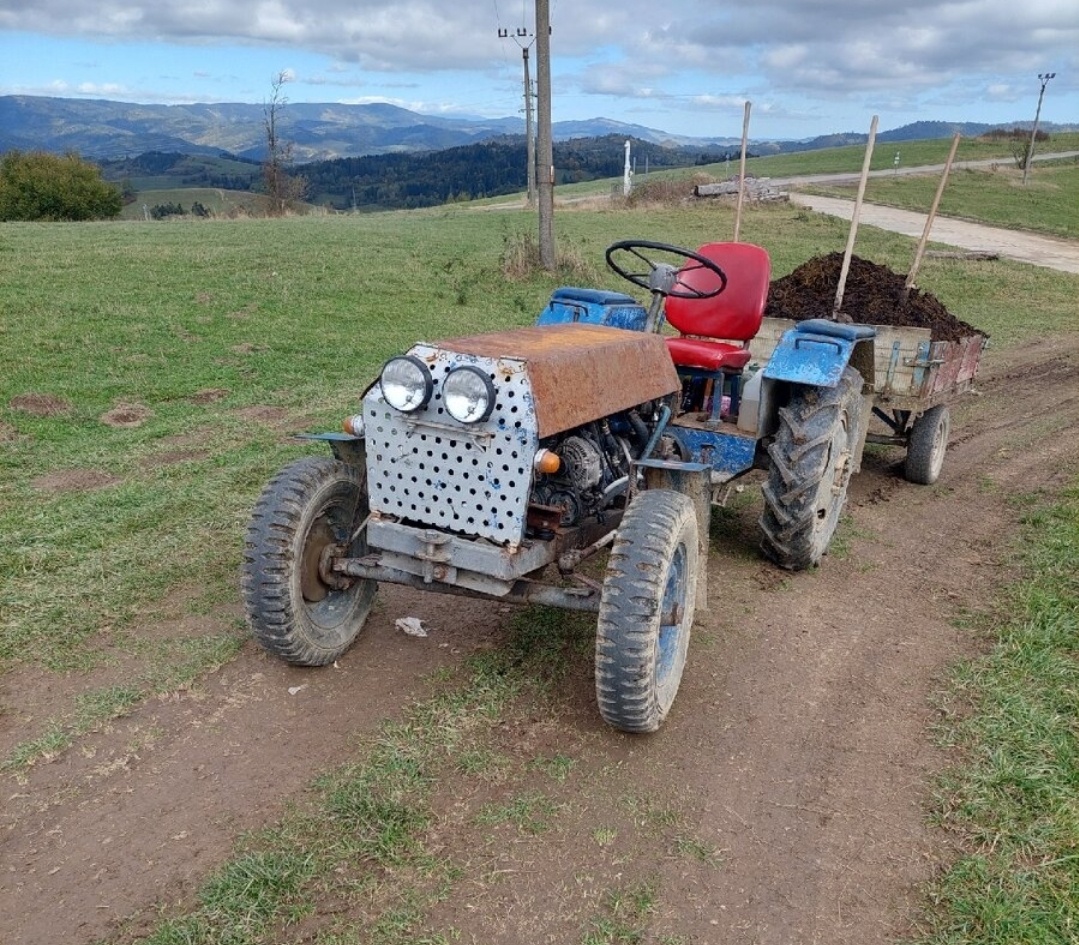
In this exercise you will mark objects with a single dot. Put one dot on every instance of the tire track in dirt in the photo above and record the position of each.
(142, 812)
(798, 747)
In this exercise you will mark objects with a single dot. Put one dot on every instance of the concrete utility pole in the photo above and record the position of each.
(1044, 78)
(530, 137)
(544, 141)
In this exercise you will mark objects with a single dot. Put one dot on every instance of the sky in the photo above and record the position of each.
(808, 67)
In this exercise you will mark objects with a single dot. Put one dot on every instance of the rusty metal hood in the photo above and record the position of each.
(579, 373)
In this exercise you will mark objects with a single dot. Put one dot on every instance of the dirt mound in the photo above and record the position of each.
(873, 295)
(126, 415)
(39, 405)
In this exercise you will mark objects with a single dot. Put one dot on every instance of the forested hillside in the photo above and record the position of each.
(408, 180)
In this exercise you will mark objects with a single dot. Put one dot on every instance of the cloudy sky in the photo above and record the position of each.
(808, 66)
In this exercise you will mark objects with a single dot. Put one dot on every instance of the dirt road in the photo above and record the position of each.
(1045, 251)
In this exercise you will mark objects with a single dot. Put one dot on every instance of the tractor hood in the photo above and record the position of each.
(577, 372)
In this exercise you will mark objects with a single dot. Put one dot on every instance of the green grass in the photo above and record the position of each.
(1014, 804)
(845, 160)
(155, 191)
(1048, 203)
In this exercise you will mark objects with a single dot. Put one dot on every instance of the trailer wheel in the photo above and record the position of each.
(646, 611)
(927, 444)
(812, 460)
(296, 609)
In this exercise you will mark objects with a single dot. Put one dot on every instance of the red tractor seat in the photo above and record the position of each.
(707, 355)
(736, 313)
(715, 332)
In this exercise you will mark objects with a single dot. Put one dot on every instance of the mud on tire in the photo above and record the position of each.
(312, 505)
(812, 459)
(926, 446)
(651, 571)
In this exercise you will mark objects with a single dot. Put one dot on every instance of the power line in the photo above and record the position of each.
(524, 39)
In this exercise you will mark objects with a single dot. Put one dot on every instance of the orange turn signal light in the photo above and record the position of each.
(353, 425)
(547, 462)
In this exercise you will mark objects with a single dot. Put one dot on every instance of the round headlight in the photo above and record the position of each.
(468, 394)
(406, 383)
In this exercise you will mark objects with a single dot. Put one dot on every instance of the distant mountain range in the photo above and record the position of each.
(100, 129)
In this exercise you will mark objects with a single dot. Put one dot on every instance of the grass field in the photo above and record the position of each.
(219, 202)
(165, 365)
(1048, 203)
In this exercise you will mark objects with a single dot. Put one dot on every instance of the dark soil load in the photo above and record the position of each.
(873, 296)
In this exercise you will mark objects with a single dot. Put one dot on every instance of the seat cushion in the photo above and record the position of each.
(707, 355)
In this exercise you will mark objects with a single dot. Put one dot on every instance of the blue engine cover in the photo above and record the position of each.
(593, 307)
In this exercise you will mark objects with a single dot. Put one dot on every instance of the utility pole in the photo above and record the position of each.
(530, 138)
(544, 141)
(1044, 78)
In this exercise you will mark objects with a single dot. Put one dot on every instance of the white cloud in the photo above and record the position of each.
(810, 55)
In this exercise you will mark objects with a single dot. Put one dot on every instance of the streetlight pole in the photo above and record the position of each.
(1044, 78)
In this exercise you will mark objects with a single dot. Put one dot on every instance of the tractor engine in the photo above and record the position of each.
(594, 468)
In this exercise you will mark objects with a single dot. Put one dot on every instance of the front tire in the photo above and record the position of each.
(812, 462)
(926, 446)
(651, 573)
(296, 609)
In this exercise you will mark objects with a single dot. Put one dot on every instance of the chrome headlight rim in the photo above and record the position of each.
(419, 393)
(468, 374)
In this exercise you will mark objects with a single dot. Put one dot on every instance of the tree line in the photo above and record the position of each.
(42, 186)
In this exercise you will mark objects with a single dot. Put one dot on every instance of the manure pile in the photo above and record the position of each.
(872, 296)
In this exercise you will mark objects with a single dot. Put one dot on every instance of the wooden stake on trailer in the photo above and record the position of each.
(854, 220)
(742, 174)
(920, 251)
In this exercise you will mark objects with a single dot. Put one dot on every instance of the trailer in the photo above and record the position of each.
(912, 380)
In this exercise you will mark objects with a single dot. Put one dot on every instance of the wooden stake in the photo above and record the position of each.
(920, 251)
(854, 220)
(742, 174)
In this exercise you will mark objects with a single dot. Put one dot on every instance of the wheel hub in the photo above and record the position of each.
(320, 542)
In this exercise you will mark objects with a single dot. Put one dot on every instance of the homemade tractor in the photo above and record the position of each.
(493, 465)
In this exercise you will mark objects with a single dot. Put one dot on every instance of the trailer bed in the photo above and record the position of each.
(910, 370)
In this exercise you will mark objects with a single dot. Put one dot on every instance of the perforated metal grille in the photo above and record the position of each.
(427, 469)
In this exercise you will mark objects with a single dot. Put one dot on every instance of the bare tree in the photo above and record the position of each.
(283, 188)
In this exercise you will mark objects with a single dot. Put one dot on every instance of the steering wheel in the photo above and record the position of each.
(663, 277)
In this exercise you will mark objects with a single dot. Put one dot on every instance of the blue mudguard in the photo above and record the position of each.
(815, 352)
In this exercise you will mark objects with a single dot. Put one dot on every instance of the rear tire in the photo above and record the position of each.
(812, 462)
(651, 571)
(926, 445)
(295, 609)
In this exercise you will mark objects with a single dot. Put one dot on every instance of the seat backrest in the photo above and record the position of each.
(735, 314)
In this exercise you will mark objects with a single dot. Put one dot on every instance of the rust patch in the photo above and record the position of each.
(580, 372)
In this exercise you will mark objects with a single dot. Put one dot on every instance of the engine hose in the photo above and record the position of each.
(637, 423)
(664, 419)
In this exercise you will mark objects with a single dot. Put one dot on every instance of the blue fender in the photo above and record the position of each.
(815, 352)
(594, 307)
